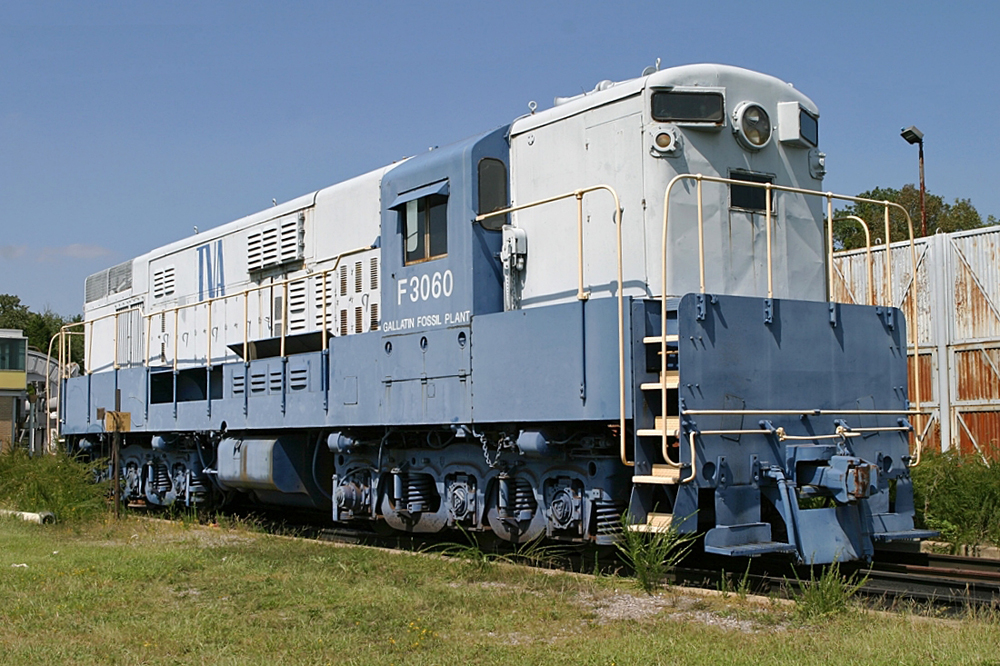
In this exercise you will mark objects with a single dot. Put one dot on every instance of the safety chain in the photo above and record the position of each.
(503, 442)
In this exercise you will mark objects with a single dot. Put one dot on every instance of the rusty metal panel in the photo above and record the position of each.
(850, 283)
(976, 260)
(926, 379)
(958, 321)
(977, 375)
(984, 428)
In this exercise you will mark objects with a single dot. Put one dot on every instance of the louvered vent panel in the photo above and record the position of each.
(239, 384)
(357, 277)
(343, 322)
(269, 247)
(274, 381)
(163, 282)
(120, 278)
(255, 257)
(297, 306)
(374, 316)
(343, 280)
(258, 382)
(373, 270)
(358, 320)
(298, 379)
(291, 244)
(324, 300)
(277, 243)
(96, 286)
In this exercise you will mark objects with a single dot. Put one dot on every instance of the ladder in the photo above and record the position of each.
(657, 472)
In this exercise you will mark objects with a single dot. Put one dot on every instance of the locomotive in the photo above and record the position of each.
(614, 307)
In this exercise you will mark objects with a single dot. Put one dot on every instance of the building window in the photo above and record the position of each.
(425, 228)
(12, 353)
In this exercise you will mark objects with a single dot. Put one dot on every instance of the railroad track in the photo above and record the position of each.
(896, 574)
(937, 579)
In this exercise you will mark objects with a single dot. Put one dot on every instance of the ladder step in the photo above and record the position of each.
(673, 425)
(655, 339)
(667, 471)
(663, 475)
(672, 379)
(655, 522)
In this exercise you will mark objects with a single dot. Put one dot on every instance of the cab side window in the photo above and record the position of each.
(492, 191)
(425, 228)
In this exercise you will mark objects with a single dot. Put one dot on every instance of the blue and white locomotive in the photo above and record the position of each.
(529, 332)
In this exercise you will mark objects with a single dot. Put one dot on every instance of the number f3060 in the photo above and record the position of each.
(425, 287)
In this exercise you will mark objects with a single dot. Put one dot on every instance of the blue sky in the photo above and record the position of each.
(123, 125)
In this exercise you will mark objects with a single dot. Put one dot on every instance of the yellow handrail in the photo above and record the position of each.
(769, 187)
(580, 293)
(868, 252)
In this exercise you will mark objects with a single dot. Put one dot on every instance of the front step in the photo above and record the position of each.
(655, 522)
(673, 425)
(662, 475)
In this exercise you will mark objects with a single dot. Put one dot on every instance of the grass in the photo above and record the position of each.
(150, 592)
(55, 483)
(960, 496)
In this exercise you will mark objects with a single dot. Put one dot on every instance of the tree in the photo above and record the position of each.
(13, 313)
(38, 328)
(848, 235)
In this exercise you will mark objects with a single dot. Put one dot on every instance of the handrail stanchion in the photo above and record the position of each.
(284, 315)
(149, 333)
(701, 241)
(829, 247)
(246, 323)
(87, 361)
(868, 254)
(580, 294)
(323, 309)
(176, 317)
(115, 343)
(208, 341)
(767, 222)
(888, 257)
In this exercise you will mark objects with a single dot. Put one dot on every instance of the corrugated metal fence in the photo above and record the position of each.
(958, 319)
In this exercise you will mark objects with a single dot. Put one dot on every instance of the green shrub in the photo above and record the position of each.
(960, 496)
(55, 483)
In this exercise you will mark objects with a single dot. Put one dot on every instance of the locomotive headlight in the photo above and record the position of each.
(752, 125)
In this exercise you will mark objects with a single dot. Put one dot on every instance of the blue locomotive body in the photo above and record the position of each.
(392, 351)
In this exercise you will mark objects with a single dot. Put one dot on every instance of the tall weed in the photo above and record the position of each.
(55, 483)
(960, 496)
(828, 594)
(652, 555)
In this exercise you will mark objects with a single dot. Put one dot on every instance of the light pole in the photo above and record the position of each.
(913, 135)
